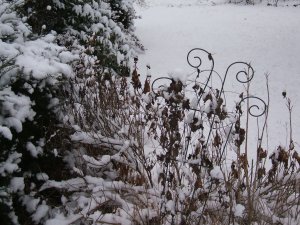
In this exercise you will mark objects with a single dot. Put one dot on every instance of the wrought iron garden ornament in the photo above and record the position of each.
(198, 58)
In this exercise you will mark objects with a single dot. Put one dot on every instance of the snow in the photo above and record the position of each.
(14, 111)
(11, 164)
(14, 123)
(6, 132)
(178, 74)
(40, 212)
(30, 203)
(17, 184)
(7, 50)
(42, 176)
(6, 30)
(268, 37)
(39, 58)
(62, 220)
(92, 162)
(177, 3)
(239, 209)
(67, 57)
(216, 172)
(170, 206)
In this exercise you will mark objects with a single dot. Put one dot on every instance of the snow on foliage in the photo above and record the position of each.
(173, 154)
(42, 45)
(28, 65)
(17, 184)
(34, 59)
(11, 164)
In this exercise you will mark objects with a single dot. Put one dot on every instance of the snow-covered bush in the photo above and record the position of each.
(42, 44)
(31, 70)
(172, 153)
(102, 28)
(166, 156)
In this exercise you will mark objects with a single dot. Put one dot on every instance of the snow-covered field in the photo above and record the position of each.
(267, 37)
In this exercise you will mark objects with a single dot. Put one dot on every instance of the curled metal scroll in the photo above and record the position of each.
(250, 112)
(253, 108)
(196, 60)
(197, 66)
(248, 73)
(157, 79)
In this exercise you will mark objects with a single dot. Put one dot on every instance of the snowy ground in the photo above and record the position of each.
(268, 37)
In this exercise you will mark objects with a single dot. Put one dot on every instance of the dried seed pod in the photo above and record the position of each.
(283, 157)
(217, 140)
(296, 156)
(261, 154)
(243, 161)
(146, 87)
(169, 195)
(261, 172)
(135, 80)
